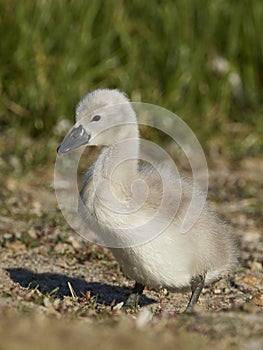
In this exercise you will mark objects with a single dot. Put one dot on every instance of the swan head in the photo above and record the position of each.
(103, 117)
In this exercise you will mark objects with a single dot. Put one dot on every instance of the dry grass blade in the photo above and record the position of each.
(73, 293)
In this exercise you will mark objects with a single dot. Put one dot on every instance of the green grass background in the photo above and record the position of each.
(201, 59)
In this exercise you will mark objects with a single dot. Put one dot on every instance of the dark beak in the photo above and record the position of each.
(76, 138)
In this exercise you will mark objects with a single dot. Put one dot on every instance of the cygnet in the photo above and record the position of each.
(168, 259)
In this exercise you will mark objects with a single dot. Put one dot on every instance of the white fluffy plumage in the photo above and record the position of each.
(170, 260)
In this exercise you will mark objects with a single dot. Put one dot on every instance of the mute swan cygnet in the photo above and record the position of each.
(171, 260)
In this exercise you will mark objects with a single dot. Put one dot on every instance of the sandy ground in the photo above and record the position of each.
(54, 282)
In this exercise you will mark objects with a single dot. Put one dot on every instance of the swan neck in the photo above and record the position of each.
(119, 162)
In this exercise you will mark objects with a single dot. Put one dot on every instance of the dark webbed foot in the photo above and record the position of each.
(134, 297)
(197, 284)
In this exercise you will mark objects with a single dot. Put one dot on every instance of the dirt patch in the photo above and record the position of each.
(49, 274)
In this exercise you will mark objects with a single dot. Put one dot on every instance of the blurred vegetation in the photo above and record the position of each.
(201, 59)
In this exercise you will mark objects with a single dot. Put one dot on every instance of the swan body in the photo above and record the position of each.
(170, 259)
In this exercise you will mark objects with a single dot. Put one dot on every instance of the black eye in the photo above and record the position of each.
(95, 118)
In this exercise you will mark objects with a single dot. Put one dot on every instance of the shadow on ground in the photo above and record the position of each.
(47, 282)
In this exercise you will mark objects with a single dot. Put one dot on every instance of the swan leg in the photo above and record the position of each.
(197, 284)
(134, 297)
